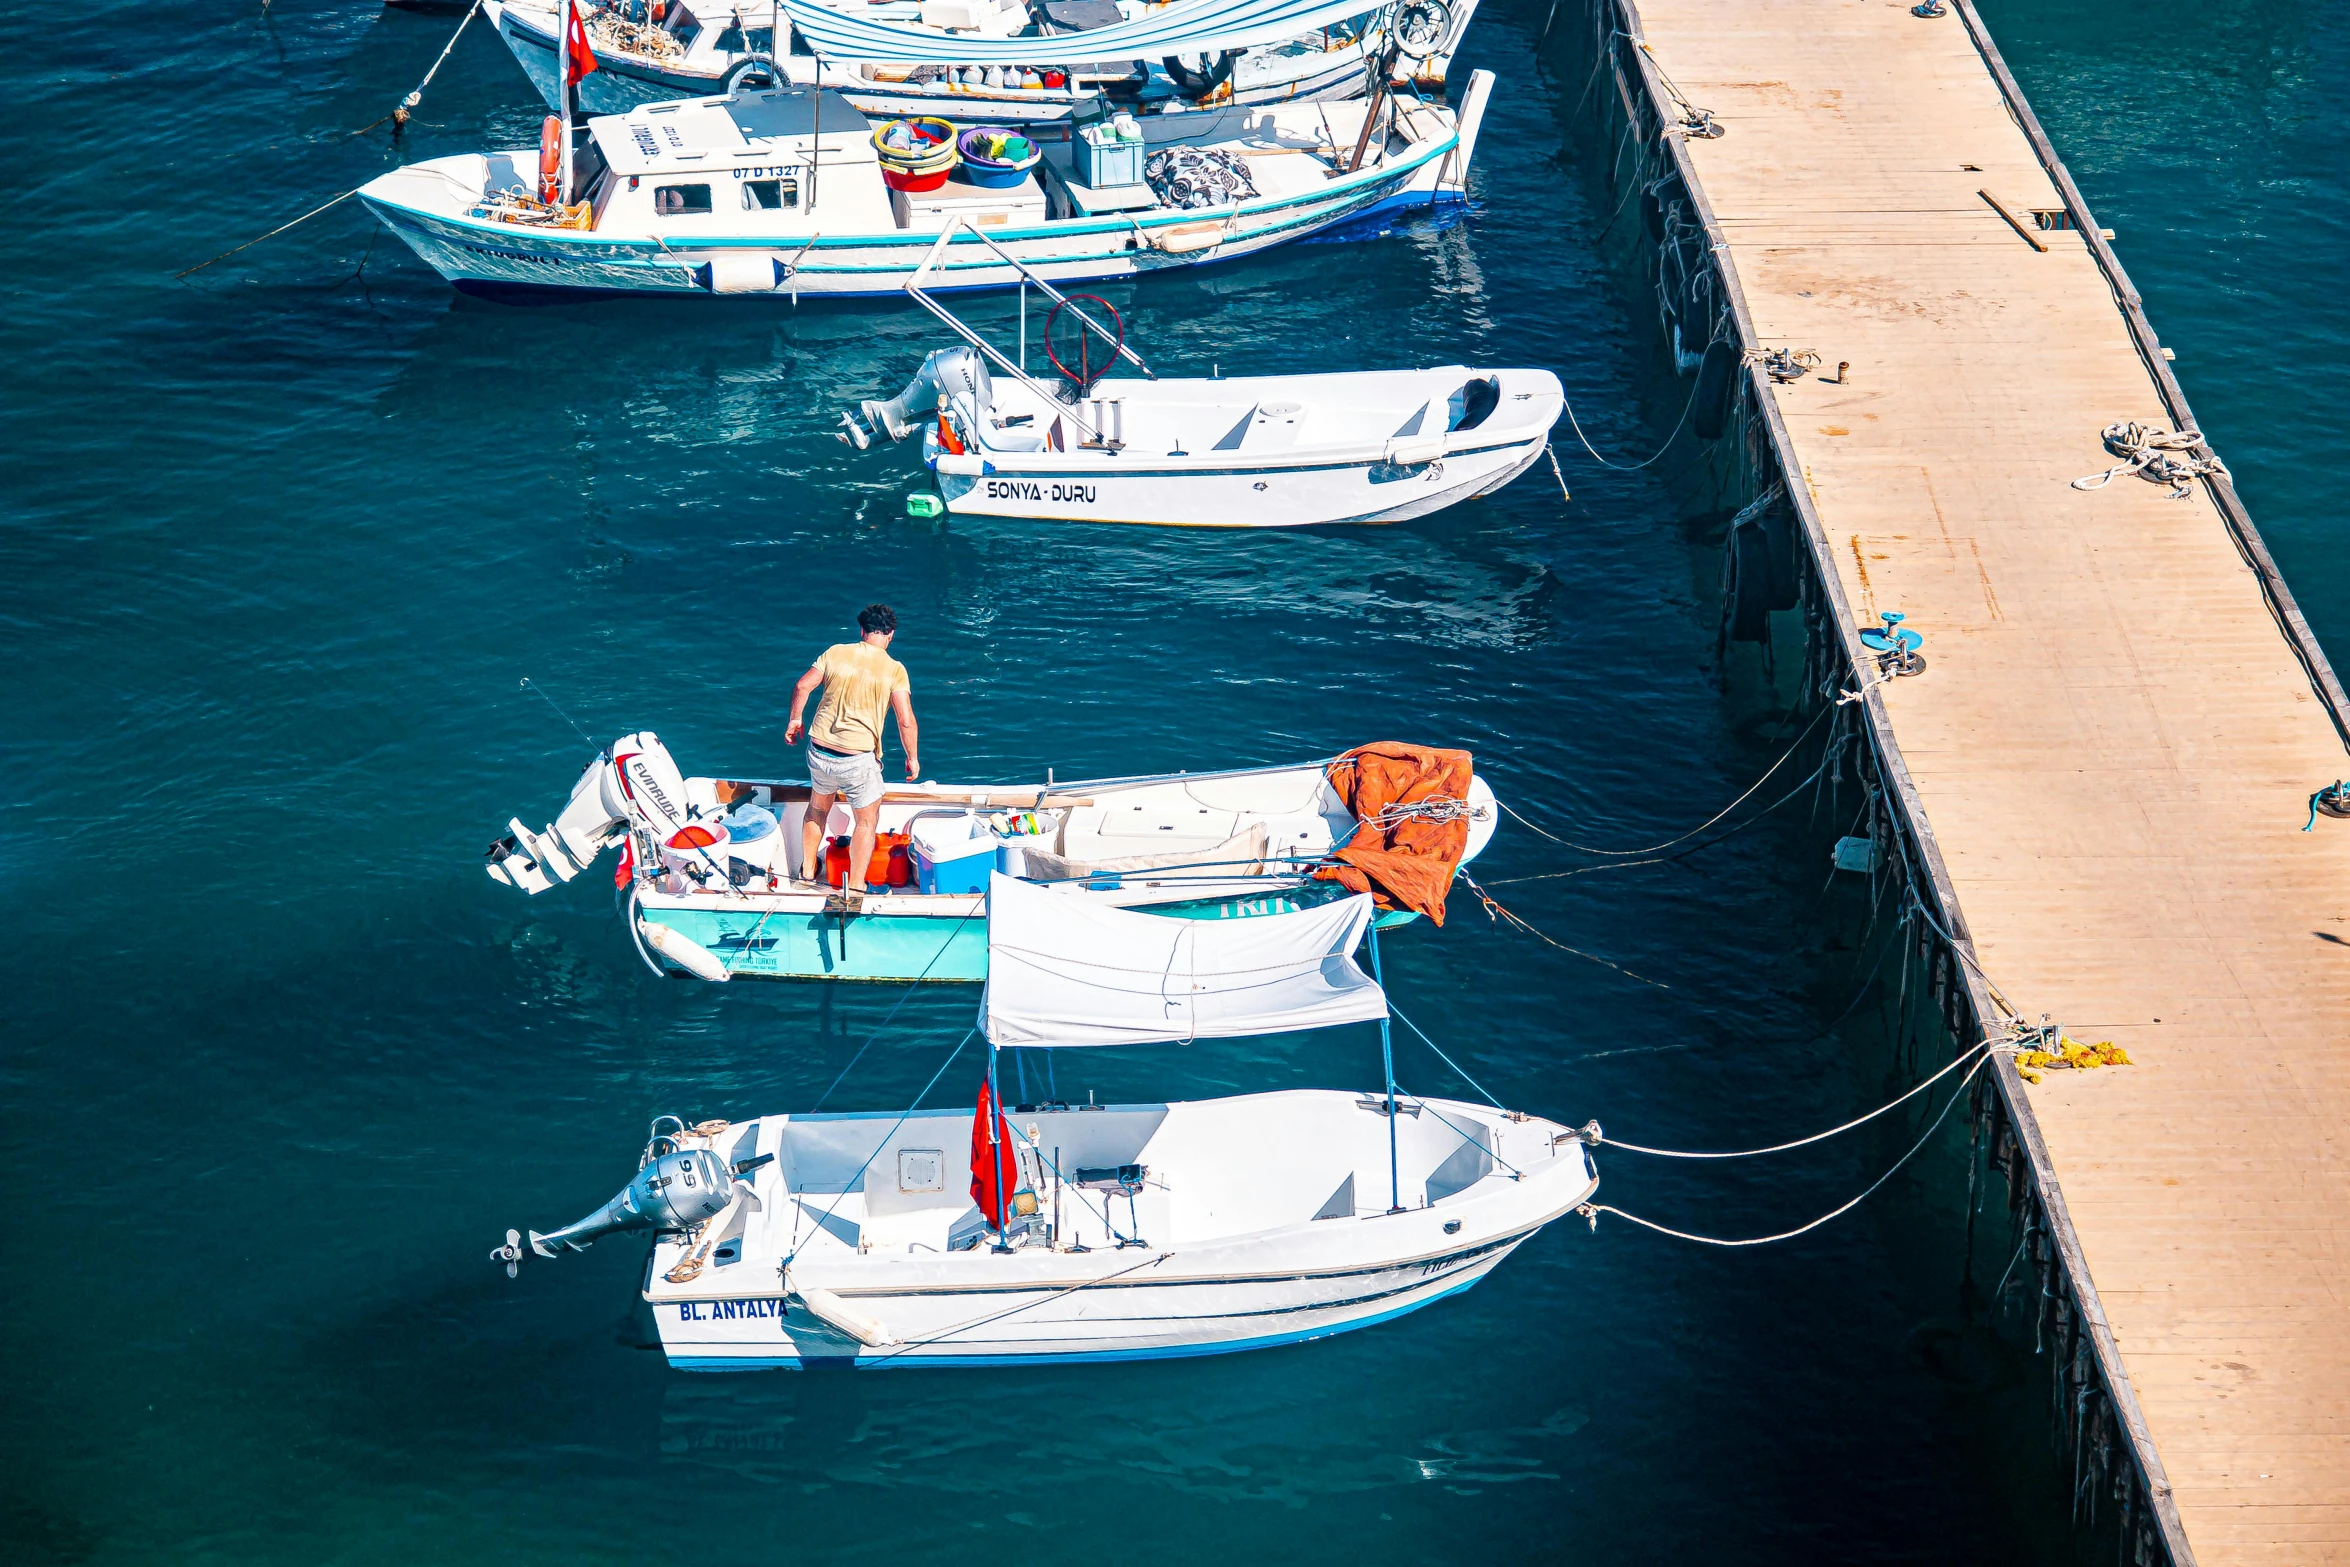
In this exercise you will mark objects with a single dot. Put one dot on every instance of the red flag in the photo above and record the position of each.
(994, 1169)
(578, 58)
(625, 872)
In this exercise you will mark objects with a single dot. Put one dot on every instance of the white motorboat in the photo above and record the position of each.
(709, 863)
(1079, 1232)
(1248, 452)
(698, 48)
(779, 192)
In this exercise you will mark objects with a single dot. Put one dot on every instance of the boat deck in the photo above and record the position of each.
(2114, 744)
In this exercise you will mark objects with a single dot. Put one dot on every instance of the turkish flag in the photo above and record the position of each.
(994, 1169)
(578, 58)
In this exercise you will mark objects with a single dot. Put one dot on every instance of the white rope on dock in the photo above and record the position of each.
(2173, 457)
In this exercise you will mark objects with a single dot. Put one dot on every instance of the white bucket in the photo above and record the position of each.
(696, 851)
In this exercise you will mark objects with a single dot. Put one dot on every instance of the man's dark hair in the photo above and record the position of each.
(876, 618)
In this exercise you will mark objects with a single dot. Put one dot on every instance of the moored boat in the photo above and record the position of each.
(781, 192)
(694, 50)
(1234, 845)
(1079, 1232)
(1278, 451)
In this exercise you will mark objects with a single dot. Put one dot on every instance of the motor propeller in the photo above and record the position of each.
(677, 1191)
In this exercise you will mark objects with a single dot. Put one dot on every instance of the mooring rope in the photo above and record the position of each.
(1632, 467)
(1495, 910)
(1440, 1055)
(1817, 1137)
(1655, 848)
(1592, 1210)
(883, 1026)
(877, 1147)
(1667, 859)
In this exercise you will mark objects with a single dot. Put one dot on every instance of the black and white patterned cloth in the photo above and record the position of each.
(1198, 177)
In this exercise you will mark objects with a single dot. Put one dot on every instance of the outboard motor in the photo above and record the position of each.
(635, 784)
(677, 1191)
(957, 376)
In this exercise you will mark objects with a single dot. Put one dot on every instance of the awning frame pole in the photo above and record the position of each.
(1387, 1061)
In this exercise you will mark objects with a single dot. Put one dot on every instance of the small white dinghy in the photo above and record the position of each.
(1069, 1232)
(1283, 451)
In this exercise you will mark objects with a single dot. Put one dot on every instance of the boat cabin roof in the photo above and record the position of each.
(700, 134)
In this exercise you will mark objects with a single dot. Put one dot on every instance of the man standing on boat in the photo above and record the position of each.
(860, 681)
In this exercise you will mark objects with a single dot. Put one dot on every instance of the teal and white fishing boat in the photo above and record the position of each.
(708, 867)
(781, 192)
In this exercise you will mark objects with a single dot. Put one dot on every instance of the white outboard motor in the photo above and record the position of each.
(636, 784)
(958, 376)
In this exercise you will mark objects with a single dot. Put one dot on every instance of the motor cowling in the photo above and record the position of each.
(678, 1191)
(635, 784)
(956, 375)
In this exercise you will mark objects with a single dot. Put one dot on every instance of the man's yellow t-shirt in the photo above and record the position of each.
(859, 680)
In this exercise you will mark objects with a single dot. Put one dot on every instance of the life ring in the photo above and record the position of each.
(1084, 374)
(1198, 84)
(551, 161)
(734, 74)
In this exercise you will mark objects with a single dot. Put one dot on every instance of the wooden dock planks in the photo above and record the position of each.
(2114, 743)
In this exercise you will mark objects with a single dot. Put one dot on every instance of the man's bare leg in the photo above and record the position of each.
(812, 837)
(861, 846)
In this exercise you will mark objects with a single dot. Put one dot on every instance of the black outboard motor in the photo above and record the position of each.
(677, 1191)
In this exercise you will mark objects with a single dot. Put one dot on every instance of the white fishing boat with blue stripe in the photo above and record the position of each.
(696, 48)
(1076, 1232)
(779, 193)
(709, 865)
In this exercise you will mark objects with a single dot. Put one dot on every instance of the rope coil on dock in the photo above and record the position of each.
(2173, 457)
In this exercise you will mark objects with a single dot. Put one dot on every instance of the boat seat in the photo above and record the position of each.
(1240, 855)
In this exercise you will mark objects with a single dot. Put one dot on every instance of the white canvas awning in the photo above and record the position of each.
(1065, 970)
(1184, 28)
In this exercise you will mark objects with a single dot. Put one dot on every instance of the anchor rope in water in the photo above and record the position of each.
(883, 1026)
(273, 233)
(1592, 1210)
(1655, 848)
(1440, 1055)
(902, 1119)
(1495, 910)
(406, 106)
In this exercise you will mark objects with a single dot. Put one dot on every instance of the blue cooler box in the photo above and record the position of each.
(951, 854)
(1104, 162)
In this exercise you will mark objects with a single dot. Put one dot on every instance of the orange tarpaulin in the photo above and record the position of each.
(1412, 823)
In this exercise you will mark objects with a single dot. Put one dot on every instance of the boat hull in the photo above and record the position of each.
(1364, 491)
(484, 257)
(789, 939)
(1151, 1322)
(624, 82)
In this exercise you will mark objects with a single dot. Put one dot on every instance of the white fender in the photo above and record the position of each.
(683, 950)
(1470, 121)
(830, 1309)
(1410, 453)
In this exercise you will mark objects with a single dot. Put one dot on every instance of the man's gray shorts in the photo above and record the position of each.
(856, 779)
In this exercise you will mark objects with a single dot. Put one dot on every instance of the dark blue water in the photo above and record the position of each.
(281, 541)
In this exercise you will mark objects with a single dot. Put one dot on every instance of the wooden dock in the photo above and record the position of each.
(2114, 745)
